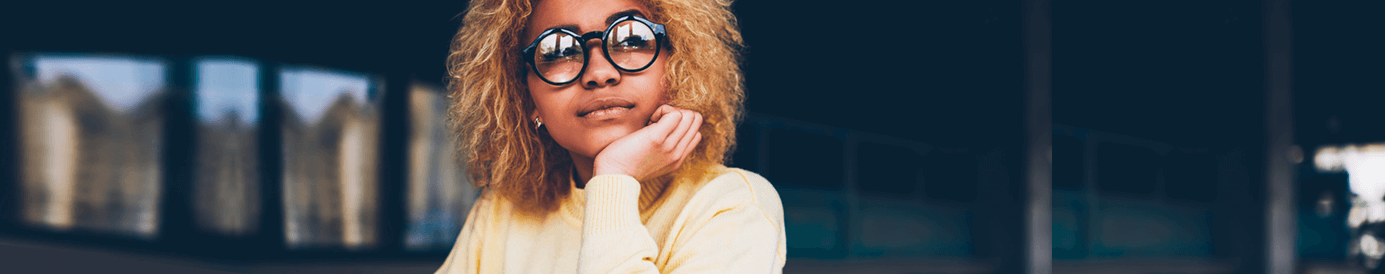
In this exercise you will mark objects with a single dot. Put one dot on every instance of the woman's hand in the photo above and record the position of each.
(654, 150)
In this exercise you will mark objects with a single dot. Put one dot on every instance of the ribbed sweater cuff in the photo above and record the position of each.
(612, 205)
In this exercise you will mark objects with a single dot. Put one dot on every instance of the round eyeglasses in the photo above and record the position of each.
(559, 56)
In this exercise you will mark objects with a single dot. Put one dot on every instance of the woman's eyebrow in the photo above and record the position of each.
(609, 20)
(572, 28)
(618, 15)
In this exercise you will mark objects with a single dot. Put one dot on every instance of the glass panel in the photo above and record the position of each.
(90, 133)
(1069, 162)
(331, 129)
(1126, 170)
(226, 193)
(889, 171)
(817, 220)
(440, 195)
(900, 216)
(1133, 227)
(895, 227)
(790, 165)
(810, 183)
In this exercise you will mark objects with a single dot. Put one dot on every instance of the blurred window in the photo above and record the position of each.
(439, 194)
(226, 193)
(90, 132)
(331, 130)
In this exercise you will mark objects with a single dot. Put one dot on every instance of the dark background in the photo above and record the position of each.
(871, 110)
(916, 104)
(1160, 114)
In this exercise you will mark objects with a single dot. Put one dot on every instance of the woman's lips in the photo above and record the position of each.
(606, 113)
(605, 107)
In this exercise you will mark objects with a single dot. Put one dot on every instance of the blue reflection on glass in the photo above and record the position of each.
(227, 87)
(311, 91)
(121, 83)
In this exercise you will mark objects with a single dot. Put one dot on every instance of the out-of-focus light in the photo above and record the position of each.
(1365, 168)
(1336, 158)
(1295, 154)
(1366, 175)
(1371, 247)
(1328, 159)
(1325, 204)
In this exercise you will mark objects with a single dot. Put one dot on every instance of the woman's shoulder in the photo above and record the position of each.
(488, 205)
(733, 187)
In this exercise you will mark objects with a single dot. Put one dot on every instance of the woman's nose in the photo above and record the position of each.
(600, 72)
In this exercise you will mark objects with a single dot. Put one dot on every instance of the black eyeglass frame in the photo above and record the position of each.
(659, 35)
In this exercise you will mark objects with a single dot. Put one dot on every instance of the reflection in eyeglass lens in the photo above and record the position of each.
(631, 45)
(559, 57)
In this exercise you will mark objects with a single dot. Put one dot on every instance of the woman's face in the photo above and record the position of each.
(605, 103)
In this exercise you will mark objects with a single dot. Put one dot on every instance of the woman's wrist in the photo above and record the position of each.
(599, 170)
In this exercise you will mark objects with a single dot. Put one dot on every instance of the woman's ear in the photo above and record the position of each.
(534, 117)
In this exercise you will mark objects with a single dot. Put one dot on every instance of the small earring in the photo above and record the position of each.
(539, 124)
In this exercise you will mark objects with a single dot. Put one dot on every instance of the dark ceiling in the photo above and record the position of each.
(1183, 72)
(386, 36)
(945, 73)
(1192, 73)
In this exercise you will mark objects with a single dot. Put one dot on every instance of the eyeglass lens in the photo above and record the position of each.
(630, 44)
(559, 58)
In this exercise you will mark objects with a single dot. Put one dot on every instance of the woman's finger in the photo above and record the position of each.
(686, 150)
(667, 122)
(674, 139)
(659, 113)
(683, 144)
(694, 126)
(697, 138)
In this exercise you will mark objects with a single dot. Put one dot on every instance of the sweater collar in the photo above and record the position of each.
(650, 194)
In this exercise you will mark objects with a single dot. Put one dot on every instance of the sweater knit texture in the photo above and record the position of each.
(730, 222)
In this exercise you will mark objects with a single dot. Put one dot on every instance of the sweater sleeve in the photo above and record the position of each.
(615, 241)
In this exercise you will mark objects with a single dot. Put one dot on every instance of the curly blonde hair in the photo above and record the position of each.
(506, 155)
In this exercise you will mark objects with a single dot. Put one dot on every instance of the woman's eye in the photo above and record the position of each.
(634, 41)
(561, 54)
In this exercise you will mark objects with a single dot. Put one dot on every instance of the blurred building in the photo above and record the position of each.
(91, 138)
(439, 194)
(330, 163)
(227, 190)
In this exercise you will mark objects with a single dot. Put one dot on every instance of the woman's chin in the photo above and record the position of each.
(598, 139)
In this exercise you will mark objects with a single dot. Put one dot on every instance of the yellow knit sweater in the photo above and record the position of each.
(731, 223)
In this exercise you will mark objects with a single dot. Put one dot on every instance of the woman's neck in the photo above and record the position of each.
(584, 166)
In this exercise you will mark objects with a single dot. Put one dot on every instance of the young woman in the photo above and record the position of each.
(597, 130)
